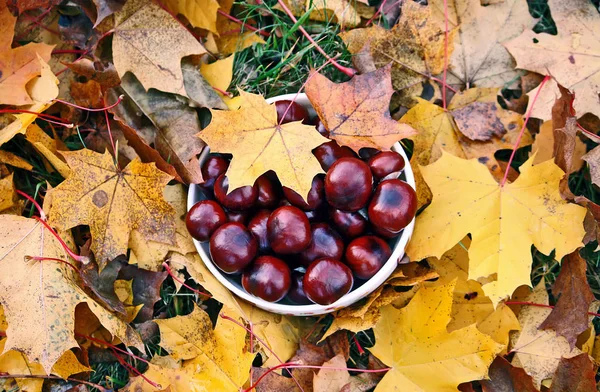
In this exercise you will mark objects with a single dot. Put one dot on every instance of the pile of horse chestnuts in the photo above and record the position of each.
(306, 251)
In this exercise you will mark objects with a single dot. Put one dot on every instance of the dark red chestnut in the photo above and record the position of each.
(204, 218)
(318, 215)
(232, 247)
(258, 227)
(328, 153)
(269, 190)
(366, 255)
(238, 216)
(316, 195)
(349, 224)
(296, 293)
(288, 230)
(296, 112)
(268, 278)
(385, 163)
(325, 242)
(393, 206)
(366, 153)
(348, 184)
(214, 166)
(327, 280)
(239, 199)
(321, 128)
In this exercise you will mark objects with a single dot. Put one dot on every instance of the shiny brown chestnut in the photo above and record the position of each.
(239, 199)
(204, 218)
(296, 111)
(385, 163)
(349, 224)
(288, 230)
(328, 153)
(212, 168)
(296, 293)
(316, 195)
(268, 278)
(326, 281)
(325, 242)
(366, 255)
(269, 190)
(258, 227)
(238, 216)
(348, 184)
(393, 206)
(232, 247)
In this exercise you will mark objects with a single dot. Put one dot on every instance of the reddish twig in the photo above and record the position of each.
(81, 259)
(110, 345)
(293, 365)
(514, 151)
(243, 24)
(541, 306)
(45, 117)
(90, 109)
(68, 51)
(133, 369)
(35, 203)
(28, 29)
(42, 258)
(183, 283)
(223, 92)
(348, 71)
(361, 351)
(377, 13)
(38, 23)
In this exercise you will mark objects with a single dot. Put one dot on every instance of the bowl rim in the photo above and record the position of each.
(313, 309)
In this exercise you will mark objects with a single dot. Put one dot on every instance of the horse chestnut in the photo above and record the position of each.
(288, 230)
(328, 153)
(327, 280)
(366, 255)
(348, 184)
(325, 242)
(393, 206)
(385, 163)
(232, 247)
(316, 195)
(239, 199)
(204, 218)
(268, 278)
(258, 227)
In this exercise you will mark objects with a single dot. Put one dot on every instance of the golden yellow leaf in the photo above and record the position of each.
(13, 362)
(19, 65)
(8, 195)
(503, 221)
(200, 13)
(43, 294)
(538, 351)
(230, 38)
(328, 380)
(13, 160)
(414, 46)
(42, 90)
(423, 356)
(220, 355)
(479, 59)
(219, 75)
(169, 375)
(48, 147)
(342, 12)
(437, 131)
(259, 144)
(357, 112)
(113, 202)
(571, 57)
(275, 330)
(150, 43)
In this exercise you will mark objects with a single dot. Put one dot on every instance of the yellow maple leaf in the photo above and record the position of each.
(113, 202)
(259, 144)
(150, 43)
(538, 351)
(200, 13)
(343, 12)
(571, 57)
(423, 356)
(42, 90)
(218, 358)
(39, 296)
(503, 221)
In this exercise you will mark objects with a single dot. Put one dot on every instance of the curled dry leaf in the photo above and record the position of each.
(414, 46)
(479, 59)
(504, 377)
(420, 329)
(569, 57)
(149, 42)
(538, 351)
(113, 202)
(259, 144)
(356, 113)
(44, 294)
(19, 65)
(466, 199)
(569, 318)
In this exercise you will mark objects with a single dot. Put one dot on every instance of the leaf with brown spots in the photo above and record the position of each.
(113, 202)
(356, 112)
(19, 65)
(569, 318)
(39, 296)
(259, 144)
(576, 374)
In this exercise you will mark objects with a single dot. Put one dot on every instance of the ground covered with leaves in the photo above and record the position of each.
(105, 106)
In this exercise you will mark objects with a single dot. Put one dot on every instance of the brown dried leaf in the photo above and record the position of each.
(504, 377)
(146, 289)
(106, 75)
(576, 374)
(327, 380)
(103, 283)
(273, 381)
(356, 112)
(569, 317)
(113, 202)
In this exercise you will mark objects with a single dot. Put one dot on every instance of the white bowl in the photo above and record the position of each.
(360, 289)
